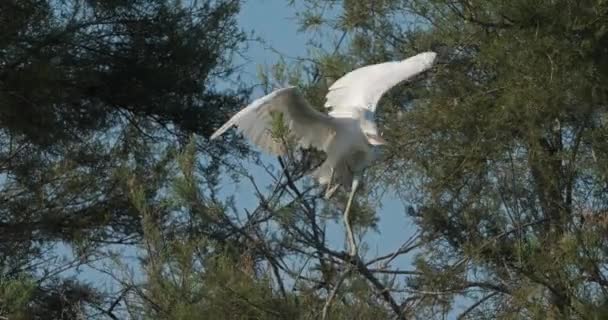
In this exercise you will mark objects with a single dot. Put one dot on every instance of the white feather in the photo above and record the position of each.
(363, 87)
(309, 127)
(345, 133)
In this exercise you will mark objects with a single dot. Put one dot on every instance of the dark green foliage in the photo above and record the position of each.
(203, 267)
(73, 68)
(89, 91)
(500, 149)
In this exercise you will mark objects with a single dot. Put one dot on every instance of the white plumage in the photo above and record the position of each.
(347, 133)
(309, 127)
(363, 87)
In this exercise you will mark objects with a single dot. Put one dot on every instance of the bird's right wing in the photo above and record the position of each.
(362, 88)
(309, 127)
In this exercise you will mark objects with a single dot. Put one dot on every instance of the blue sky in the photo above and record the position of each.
(274, 22)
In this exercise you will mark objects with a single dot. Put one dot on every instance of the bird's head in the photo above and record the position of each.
(374, 138)
(369, 128)
(371, 133)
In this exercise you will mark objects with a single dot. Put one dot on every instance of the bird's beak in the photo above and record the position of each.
(375, 140)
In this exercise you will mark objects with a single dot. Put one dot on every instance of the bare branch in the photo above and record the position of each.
(476, 304)
(333, 293)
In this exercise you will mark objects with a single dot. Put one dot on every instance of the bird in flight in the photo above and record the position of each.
(347, 134)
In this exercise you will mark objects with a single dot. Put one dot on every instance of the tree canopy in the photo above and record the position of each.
(92, 92)
(500, 153)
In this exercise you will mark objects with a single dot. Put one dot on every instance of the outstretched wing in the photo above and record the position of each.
(309, 128)
(363, 87)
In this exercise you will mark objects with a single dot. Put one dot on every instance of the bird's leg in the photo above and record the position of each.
(351, 238)
(331, 189)
(331, 179)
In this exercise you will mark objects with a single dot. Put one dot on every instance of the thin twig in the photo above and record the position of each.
(333, 293)
(475, 305)
(384, 292)
(404, 272)
(405, 248)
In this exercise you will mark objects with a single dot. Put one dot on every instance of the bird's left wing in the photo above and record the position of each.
(363, 87)
(308, 127)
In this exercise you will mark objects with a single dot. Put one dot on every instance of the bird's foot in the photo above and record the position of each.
(330, 191)
(351, 256)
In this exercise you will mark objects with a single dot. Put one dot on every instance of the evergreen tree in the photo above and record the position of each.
(500, 151)
(90, 90)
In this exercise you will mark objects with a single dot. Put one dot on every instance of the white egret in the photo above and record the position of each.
(347, 134)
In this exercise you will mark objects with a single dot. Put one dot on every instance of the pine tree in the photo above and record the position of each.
(500, 150)
(90, 90)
